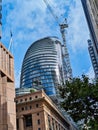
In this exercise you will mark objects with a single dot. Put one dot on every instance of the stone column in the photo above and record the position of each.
(21, 123)
(55, 125)
(53, 122)
(3, 103)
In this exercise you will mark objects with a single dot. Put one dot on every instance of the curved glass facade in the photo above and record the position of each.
(42, 65)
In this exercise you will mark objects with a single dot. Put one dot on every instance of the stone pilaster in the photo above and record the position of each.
(21, 123)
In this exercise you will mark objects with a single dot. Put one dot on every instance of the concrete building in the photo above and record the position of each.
(93, 57)
(43, 64)
(36, 111)
(7, 91)
(91, 12)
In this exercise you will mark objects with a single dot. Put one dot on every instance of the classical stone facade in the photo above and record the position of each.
(7, 91)
(36, 111)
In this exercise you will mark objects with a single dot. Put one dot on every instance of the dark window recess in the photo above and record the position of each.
(38, 114)
(38, 121)
(28, 120)
(25, 99)
(37, 105)
(30, 107)
(21, 100)
(36, 96)
(30, 98)
(16, 101)
(17, 123)
(22, 108)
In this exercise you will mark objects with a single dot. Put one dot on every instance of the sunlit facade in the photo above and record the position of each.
(36, 111)
(42, 65)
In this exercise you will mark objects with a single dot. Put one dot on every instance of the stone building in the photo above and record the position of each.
(36, 111)
(7, 91)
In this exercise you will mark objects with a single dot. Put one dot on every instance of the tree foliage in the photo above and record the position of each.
(81, 100)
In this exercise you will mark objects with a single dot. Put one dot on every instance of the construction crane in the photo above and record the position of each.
(11, 42)
(65, 54)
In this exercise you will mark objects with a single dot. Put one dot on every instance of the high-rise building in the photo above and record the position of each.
(43, 65)
(93, 57)
(91, 12)
(36, 111)
(7, 91)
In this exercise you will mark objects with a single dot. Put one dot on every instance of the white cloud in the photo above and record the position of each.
(30, 20)
(77, 31)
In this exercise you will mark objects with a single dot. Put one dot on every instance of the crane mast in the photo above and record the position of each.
(65, 54)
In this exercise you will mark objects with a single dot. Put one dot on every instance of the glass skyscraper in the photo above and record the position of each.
(43, 65)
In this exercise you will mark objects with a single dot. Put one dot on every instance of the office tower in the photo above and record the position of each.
(43, 65)
(36, 111)
(91, 12)
(7, 91)
(93, 57)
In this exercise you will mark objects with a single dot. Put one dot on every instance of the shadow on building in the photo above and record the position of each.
(5, 120)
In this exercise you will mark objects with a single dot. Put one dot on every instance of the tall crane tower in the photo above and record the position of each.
(65, 54)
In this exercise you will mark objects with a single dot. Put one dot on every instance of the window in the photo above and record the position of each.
(16, 101)
(22, 108)
(25, 99)
(30, 98)
(38, 121)
(28, 120)
(21, 100)
(37, 105)
(38, 114)
(30, 107)
(36, 96)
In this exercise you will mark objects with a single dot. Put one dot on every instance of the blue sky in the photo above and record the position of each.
(30, 20)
